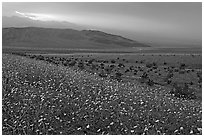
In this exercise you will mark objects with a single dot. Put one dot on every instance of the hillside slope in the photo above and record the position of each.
(64, 38)
(42, 98)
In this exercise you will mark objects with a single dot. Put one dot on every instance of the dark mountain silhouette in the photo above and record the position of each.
(63, 38)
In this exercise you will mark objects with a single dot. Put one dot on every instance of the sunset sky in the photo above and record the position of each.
(162, 24)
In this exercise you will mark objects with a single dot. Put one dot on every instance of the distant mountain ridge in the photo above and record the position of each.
(64, 38)
(20, 22)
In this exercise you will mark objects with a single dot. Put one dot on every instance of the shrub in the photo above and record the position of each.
(168, 81)
(154, 64)
(102, 74)
(112, 61)
(182, 72)
(170, 75)
(108, 70)
(149, 65)
(39, 57)
(93, 66)
(118, 76)
(81, 65)
(191, 83)
(150, 82)
(121, 65)
(112, 66)
(66, 63)
(101, 64)
(72, 63)
(105, 61)
(182, 66)
(127, 70)
(91, 61)
(183, 91)
(143, 78)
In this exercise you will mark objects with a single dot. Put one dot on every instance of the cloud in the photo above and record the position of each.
(37, 16)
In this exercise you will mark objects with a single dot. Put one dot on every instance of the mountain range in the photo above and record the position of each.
(35, 37)
(16, 21)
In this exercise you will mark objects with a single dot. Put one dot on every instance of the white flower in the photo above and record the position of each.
(157, 121)
(199, 129)
(111, 123)
(181, 128)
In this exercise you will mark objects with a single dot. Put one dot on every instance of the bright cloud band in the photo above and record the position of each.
(36, 16)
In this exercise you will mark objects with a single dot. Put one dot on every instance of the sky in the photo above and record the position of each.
(159, 24)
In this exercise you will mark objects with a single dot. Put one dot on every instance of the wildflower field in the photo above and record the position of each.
(39, 97)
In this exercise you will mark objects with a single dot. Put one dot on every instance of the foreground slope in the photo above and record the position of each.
(42, 98)
(64, 38)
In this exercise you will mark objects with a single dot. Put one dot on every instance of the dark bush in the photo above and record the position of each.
(154, 64)
(93, 66)
(199, 80)
(118, 76)
(65, 63)
(191, 83)
(131, 67)
(105, 61)
(141, 61)
(72, 63)
(170, 75)
(33, 56)
(149, 65)
(91, 61)
(168, 81)
(183, 91)
(101, 64)
(150, 82)
(182, 72)
(176, 70)
(127, 70)
(182, 66)
(112, 61)
(112, 66)
(102, 74)
(144, 75)
(108, 70)
(39, 57)
(81, 65)
(121, 65)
